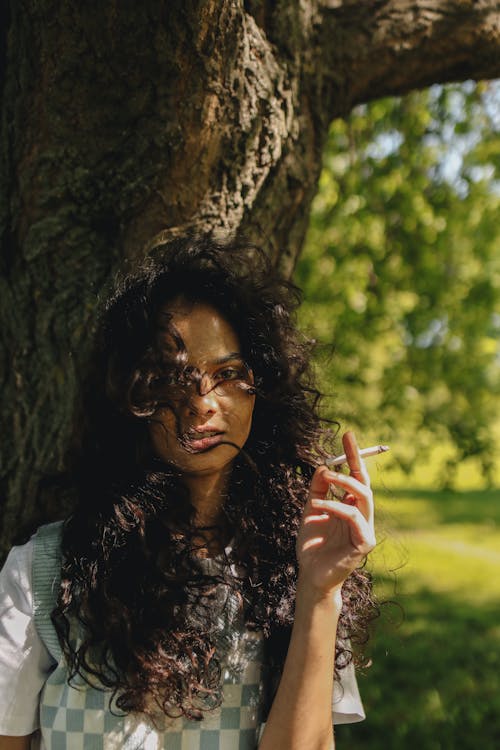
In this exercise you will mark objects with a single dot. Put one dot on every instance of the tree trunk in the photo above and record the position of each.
(127, 121)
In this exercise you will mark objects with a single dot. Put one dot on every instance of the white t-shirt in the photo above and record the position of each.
(25, 663)
(24, 660)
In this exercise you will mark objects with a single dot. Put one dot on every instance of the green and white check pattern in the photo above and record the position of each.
(77, 716)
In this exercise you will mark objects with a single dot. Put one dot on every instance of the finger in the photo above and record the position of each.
(357, 493)
(365, 477)
(351, 450)
(362, 532)
(320, 483)
(349, 483)
(311, 519)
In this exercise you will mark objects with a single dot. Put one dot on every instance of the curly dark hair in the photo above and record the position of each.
(130, 581)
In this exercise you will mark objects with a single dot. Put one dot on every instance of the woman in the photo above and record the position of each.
(193, 598)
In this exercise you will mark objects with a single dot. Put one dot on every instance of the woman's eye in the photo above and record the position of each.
(230, 373)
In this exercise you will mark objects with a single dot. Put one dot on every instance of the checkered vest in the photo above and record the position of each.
(77, 716)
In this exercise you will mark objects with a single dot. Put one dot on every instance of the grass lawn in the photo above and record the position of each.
(435, 679)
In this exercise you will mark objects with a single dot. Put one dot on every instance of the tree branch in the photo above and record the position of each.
(388, 47)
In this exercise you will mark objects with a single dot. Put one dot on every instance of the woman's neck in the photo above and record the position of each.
(208, 495)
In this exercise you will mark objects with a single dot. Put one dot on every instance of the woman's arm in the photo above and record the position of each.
(301, 714)
(15, 743)
(333, 539)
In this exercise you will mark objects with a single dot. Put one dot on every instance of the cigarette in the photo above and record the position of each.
(364, 452)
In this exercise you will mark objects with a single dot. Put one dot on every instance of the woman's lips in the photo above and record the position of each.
(203, 442)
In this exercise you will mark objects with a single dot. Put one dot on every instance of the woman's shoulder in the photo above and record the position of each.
(47, 536)
(25, 660)
(15, 576)
(22, 549)
(27, 561)
(47, 552)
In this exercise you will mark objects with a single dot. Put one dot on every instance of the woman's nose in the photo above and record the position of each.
(203, 402)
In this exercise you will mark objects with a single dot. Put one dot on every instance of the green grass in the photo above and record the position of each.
(435, 679)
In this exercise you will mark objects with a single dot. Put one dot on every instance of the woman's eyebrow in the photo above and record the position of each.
(227, 358)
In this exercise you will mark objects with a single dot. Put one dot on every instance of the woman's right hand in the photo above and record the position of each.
(336, 535)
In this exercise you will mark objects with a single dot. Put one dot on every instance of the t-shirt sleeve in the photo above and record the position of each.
(347, 707)
(24, 661)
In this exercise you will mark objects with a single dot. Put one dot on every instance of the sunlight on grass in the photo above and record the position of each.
(436, 651)
(449, 541)
(450, 567)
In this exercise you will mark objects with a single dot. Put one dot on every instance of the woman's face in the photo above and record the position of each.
(206, 405)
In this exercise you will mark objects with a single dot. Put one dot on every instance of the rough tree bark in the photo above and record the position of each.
(123, 120)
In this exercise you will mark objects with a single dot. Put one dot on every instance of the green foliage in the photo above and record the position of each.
(401, 270)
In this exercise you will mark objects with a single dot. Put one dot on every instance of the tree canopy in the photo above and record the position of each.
(401, 269)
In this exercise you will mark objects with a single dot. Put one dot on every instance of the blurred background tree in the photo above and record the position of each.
(401, 273)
